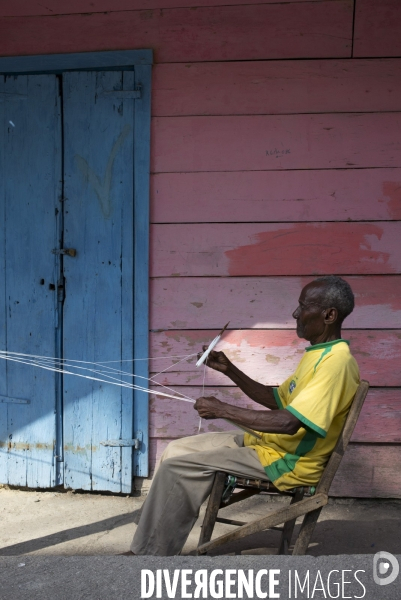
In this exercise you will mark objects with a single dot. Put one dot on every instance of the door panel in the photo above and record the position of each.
(98, 307)
(30, 192)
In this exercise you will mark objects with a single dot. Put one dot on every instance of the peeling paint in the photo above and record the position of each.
(270, 358)
(235, 355)
(308, 247)
(179, 324)
(25, 446)
(392, 190)
(80, 449)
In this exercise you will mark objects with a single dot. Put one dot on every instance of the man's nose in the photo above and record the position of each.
(295, 314)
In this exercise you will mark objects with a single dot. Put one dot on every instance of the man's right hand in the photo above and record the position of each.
(217, 361)
(260, 393)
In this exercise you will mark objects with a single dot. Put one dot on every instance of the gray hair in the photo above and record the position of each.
(337, 294)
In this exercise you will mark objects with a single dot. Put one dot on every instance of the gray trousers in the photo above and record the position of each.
(182, 483)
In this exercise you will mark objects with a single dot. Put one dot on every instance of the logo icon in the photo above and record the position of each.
(382, 574)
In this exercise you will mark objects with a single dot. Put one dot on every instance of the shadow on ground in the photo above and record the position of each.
(67, 535)
(344, 527)
(48, 523)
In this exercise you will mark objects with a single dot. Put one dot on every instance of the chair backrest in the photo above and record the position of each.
(343, 441)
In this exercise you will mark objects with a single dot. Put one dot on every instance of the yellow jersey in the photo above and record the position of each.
(319, 394)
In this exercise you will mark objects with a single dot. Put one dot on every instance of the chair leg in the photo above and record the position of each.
(306, 531)
(212, 508)
(289, 525)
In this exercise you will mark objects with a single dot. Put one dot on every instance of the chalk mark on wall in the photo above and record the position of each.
(102, 188)
(278, 153)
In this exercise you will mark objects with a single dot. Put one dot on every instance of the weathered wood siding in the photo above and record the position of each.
(267, 171)
(195, 33)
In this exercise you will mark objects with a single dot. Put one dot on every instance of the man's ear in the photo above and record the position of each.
(330, 315)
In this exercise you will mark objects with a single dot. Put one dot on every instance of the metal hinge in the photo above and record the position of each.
(134, 442)
(14, 400)
(134, 94)
(6, 95)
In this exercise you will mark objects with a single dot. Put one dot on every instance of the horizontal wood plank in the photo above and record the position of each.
(156, 449)
(287, 196)
(377, 28)
(369, 471)
(22, 8)
(380, 419)
(279, 87)
(366, 471)
(263, 303)
(259, 249)
(271, 143)
(249, 32)
(270, 356)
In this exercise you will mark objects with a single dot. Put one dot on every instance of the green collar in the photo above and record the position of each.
(325, 345)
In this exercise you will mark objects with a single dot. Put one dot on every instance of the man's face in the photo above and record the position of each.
(310, 314)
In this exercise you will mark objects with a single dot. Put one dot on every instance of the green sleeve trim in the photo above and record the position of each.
(277, 398)
(321, 432)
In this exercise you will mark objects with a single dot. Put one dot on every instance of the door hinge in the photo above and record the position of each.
(134, 94)
(134, 442)
(10, 400)
(6, 95)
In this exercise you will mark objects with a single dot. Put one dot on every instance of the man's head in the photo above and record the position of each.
(323, 305)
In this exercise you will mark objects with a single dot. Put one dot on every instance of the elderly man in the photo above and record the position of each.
(299, 431)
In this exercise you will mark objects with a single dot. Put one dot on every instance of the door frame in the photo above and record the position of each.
(141, 62)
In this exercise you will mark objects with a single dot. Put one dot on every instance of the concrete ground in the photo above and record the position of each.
(54, 523)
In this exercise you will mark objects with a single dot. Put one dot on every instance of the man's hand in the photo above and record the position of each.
(208, 407)
(217, 361)
(262, 394)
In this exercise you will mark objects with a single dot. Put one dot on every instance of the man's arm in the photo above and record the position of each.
(262, 394)
(278, 421)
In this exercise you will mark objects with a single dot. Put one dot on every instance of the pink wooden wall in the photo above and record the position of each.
(275, 158)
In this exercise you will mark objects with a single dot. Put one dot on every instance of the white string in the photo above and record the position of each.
(103, 362)
(170, 367)
(66, 362)
(150, 358)
(118, 383)
(44, 364)
(203, 393)
(126, 373)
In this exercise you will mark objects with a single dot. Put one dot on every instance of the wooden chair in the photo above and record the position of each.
(305, 501)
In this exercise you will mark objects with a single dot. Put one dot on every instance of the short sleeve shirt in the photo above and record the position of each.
(319, 394)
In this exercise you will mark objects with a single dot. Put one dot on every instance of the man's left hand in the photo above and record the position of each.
(209, 407)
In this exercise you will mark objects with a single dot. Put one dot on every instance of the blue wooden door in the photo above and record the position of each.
(98, 306)
(67, 164)
(30, 190)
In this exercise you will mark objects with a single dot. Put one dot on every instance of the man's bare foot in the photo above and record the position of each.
(129, 553)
